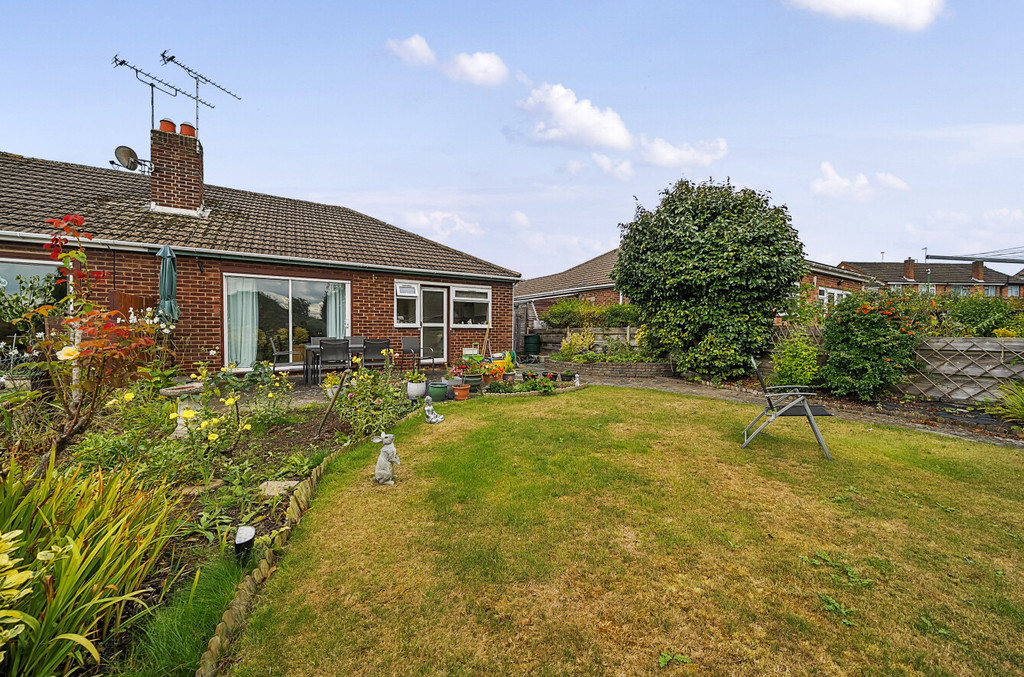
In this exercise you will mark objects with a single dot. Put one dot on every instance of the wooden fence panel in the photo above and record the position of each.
(964, 369)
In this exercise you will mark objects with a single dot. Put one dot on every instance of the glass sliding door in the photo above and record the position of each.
(287, 311)
(433, 327)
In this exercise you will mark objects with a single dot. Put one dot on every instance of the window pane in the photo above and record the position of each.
(433, 307)
(405, 311)
(470, 294)
(469, 312)
(309, 311)
(272, 302)
(406, 290)
(10, 272)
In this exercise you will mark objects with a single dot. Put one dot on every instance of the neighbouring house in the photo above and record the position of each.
(958, 279)
(251, 267)
(592, 280)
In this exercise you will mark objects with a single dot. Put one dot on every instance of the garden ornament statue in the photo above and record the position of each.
(388, 459)
(576, 380)
(428, 409)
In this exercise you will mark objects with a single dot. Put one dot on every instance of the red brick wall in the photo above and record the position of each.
(177, 178)
(200, 295)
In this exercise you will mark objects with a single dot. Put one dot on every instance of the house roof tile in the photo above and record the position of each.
(595, 273)
(116, 207)
(941, 273)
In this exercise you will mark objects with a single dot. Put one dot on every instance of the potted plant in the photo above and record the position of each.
(453, 377)
(461, 392)
(568, 376)
(416, 384)
(473, 375)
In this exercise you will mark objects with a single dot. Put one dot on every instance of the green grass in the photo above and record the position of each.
(596, 532)
(175, 636)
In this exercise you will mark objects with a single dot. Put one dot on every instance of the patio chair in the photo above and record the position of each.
(356, 344)
(373, 353)
(411, 347)
(275, 354)
(785, 401)
(334, 354)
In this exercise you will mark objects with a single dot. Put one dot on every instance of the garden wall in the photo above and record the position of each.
(551, 339)
(964, 369)
(612, 369)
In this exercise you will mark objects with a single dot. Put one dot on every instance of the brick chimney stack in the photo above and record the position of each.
(908, 269)
(177, 179)
(978, 270)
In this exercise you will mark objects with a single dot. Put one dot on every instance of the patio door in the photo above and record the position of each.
(434, 323)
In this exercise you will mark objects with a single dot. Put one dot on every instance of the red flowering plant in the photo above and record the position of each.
(869, 338)
(84, 353)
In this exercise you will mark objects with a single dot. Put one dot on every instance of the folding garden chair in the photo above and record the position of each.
(785, 401)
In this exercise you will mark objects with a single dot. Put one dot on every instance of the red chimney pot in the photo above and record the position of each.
(167, 125)
(188, 129)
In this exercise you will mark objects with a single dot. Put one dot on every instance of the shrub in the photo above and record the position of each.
(796, 360)
(976, 315)
(374, 401)
(575, 344)
(574, 312)
(621, 315)
(708, 271)
(869, 341)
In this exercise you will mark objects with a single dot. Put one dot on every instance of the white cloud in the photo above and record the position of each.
(520, 219)
(480, 68)
(831, 184)
(573, 167)
(440, 225)
(413, 51)
(620, 169)
(859, 188)
(573, 122)
(891, 181)
(911, 15)
(1003, 217)
(663, 154)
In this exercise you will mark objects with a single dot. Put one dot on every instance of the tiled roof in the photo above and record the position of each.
(588, 275)
(941, 273)
(115, 206)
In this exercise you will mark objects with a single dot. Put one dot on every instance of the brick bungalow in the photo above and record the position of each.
(591, 280)
(959, 279)
(250, 266)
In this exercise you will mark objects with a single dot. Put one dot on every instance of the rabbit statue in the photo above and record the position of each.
(384, 473)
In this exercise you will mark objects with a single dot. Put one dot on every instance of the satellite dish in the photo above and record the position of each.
(126, 157)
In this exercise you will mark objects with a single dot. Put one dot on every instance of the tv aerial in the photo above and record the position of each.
(156, 83)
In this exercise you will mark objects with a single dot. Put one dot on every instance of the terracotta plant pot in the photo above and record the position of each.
(485, 379)
(461, 392)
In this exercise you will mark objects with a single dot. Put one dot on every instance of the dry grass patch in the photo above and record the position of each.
(594, 532)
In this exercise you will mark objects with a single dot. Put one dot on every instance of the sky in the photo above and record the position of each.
(525, 133)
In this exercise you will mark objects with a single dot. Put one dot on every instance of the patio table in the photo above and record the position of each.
(310, 358)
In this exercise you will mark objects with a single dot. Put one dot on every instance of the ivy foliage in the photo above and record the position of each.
(709, 269)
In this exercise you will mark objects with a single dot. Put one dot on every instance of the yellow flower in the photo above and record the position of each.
(128, 397)
(230, 401)
(203, 425)
(111, 403)
(357, 359)
(212, 437)
(174, 414)
(192, 376)
(187, 414)
(247, 426)
(68, 353)
(270, 394)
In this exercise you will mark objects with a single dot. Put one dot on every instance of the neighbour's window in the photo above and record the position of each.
(990, 290)
(928, 289)
(407, 297)
(960, 290)
(1013, 290)
(896, 288)
(471, 306)
(830, 297)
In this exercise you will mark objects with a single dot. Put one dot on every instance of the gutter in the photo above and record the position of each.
(123, 245)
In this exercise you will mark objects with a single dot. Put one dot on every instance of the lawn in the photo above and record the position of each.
(614, 531)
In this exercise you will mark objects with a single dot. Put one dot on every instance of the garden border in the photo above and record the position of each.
(237, 611)
(611, 369)
(535, 393)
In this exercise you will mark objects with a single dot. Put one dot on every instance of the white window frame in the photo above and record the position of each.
(454, 290)
(958, 290)
(56, 265)
(1013, 290)
(830, 296)
(926, 289)
(224, 305)
(991, 288)
(896, 287)
(415, 295)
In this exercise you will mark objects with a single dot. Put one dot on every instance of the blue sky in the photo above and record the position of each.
(521, 132)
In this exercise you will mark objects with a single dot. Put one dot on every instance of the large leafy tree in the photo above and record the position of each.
(709, 270)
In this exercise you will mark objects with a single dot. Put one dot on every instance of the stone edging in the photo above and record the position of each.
(534, 393)
(238, 608)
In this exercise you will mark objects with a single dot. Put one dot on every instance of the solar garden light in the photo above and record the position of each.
(244, 538)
